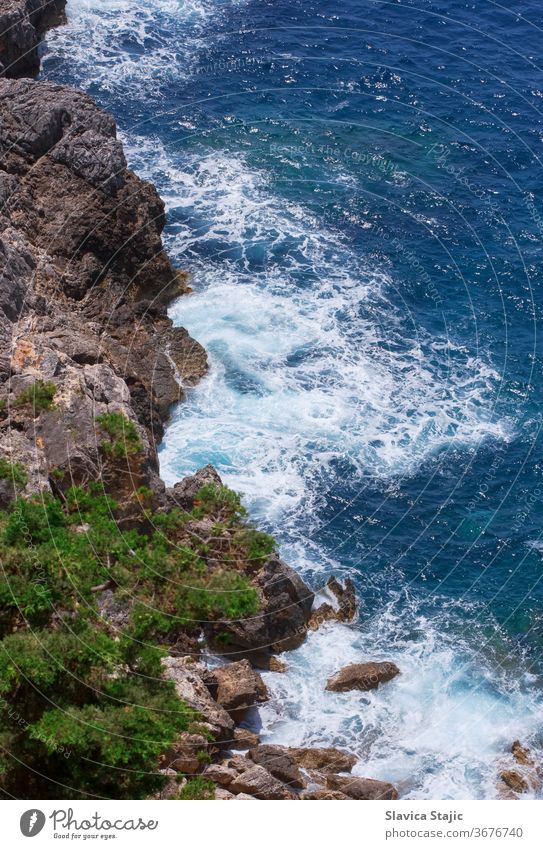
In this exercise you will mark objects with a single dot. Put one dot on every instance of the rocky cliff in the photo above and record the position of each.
(90, 365)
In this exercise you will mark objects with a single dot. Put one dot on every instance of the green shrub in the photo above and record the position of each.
(125, 439)
(13, 471)
(40, 394)
(197, 788)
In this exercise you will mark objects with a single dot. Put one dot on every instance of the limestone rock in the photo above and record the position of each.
(323, 759)
(361, 788)
(189, 685)
(261, 784)
(362, 676)
(280, 763)
(236, 687)
(244, 739)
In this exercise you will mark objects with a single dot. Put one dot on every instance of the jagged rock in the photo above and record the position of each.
(361, 788)
(279, 762)
(362, 676)
(189, 685)
(185, 754)
(83, 282)
(244, 739)
(276, 665)
(260, 783)
(22, 24)
(220, 774)
(521, 754)
(237, 687)
(184, 492)
(514, 781)
(238, 763)
(221, 793)
(281, 623)
(323, 759)
(345, 604)
(321, 794)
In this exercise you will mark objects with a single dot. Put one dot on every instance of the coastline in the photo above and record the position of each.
(113, 318)
(86, 286)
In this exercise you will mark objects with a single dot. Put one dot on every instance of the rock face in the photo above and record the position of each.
(361, 788)
(279, 761)
(237, 687)
(83, 285)
(362, 676)
(189, 684)
(22, 24)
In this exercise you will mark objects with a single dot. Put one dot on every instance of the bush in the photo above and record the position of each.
(125, 439)
(197, 788)
(13, 471)
(40, 394)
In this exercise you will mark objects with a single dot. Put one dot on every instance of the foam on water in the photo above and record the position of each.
(303, 375)
(118, 46)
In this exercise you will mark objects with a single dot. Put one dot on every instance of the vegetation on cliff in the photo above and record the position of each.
(82, 701)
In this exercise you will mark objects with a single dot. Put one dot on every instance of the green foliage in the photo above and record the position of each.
(13, 471)
(197, 788)
(82, 703)
(125, 439)
(40, 394)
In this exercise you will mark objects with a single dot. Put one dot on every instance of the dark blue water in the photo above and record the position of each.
(357, 189)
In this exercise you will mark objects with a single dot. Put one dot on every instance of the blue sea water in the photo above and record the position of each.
(356, 187)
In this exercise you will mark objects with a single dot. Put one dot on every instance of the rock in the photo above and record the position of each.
(521, 754)
(261, 784)
(171, 787)
(362, 676)
(321, 794)
(237, 687)
(220, 774)
(22, 25)
(244, 797)
(238, 763)
(189, 685)
(221, 793)
(276, 665)
(323, 759)
(514, 781)
(184, 492)
(281, 623)
(244, 739)
(187, 754)
(279, 762)
(345, 604)
(361, 788)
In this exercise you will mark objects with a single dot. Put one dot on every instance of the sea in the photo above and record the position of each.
(356, 189)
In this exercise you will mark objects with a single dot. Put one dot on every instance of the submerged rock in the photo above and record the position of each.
(362, 676)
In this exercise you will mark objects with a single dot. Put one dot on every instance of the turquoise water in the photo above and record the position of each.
(357, 190)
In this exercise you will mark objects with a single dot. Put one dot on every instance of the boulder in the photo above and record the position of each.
(187, 753)
(515, 781)
(244, 739)
(521, 754)
(361, 788)
(276, 665)
(221, 793)
(220, 774)
(362, 676)
(344, 608)
(321, 794)
(237, 687)
(279, 762)
(323, 759)
(188, 678)
(261, 784)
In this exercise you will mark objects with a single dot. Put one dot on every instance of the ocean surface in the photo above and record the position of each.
(356, 187)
